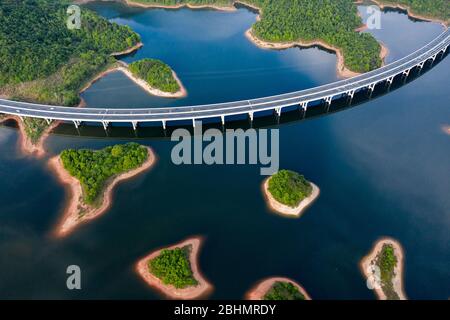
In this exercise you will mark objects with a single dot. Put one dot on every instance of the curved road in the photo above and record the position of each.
(431, 51)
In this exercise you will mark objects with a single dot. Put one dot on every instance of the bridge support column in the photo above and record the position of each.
(251, 116)
(48, 121)
(222, 118)
(193, 123)
(328, 100)
(389, 82)
(164, 124)
(304, 105)
(76, 123)
(135, 124)
(105, 125)
(420, 66)
(278, 111)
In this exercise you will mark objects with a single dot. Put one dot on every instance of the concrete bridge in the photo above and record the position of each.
(436, 49)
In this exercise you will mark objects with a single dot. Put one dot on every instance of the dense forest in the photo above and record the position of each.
(37, 48)
(173, 267)
(156, 73)
(387, 262)
(289, 187)
(94, 168)
(332, 21)
(439, 9)
(283, 291)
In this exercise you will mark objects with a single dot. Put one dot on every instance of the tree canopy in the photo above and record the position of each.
(94, 168)
(282, 290)
(173, 267)
(289, 187)
(156, 73)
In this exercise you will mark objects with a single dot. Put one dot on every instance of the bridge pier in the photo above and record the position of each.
(105, 125)
(48, 121)
(328, 100)
(278, 111)
(76, 123)
(251, 116)
(193, 123)
(304, 105)
(135, 124)
(164, 124)
(420, 66)
(222, 118)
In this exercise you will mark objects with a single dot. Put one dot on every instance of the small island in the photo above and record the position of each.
(174, 271)
(90, 177)
(387, 255)
(289, 193)
(278, 288)
(446, 129)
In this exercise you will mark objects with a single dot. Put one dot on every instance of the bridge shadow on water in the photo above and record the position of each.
(263, 119)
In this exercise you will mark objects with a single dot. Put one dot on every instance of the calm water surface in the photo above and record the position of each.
(382, 168)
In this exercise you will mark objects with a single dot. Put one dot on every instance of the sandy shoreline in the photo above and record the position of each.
(123, 67)
(285, 210)
(25, 145)
(260, 289)
(128, 51)
(368, 261)
(341, 70)
(203, 289)
(71, 217)
(410, 13)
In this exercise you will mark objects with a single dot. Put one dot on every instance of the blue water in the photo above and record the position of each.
(382, 168)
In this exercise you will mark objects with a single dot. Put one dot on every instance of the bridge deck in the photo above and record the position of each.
(429, 51)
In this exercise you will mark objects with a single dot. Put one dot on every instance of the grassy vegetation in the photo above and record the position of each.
(173, 267)
(94, 168)
(332, 21)
(387, 261)
(289, 187)
(156, 73)
(439, 9)
(283, 291)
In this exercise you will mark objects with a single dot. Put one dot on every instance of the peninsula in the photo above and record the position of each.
(174, 271)
(383, 268)
(90, 177)
(278, 288)
(289, 193)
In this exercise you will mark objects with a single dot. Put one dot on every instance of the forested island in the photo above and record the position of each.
(174, 271)
(158, 77)
(384, 269)
(41, 60)
(436, 10)
(91, 176)
(289, 193)
(278, 289)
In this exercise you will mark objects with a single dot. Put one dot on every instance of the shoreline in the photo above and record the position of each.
(341, 70)
(262, 287)
(410, 13)
(284, 210)
(446, 129)
(397, 281)
(123, 67)
(128, 51)
(71, 218)
(25, 145)
(201, 290)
